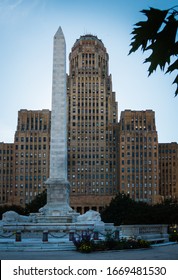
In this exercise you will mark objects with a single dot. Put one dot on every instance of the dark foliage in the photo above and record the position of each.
(124, 210)
(158, 34)
(84, 243)
(39, 201)
(173, 237)
(32, 207)
(15, 208)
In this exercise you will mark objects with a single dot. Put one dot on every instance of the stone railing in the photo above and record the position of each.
(147, 232)
(153, 233)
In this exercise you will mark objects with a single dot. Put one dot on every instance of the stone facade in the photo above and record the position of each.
(83, 203)
(31, 155)
(92, 125)
(168, 170)
(7, 173)
(138, 156)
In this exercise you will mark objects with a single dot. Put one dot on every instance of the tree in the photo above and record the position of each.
(33, 207)
(124, 210)
(38, 202)
(158, 34)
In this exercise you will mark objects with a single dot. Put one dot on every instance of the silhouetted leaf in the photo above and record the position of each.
(147, 30)
(163, 46)
(173, 66)
(176, 82)
(158, 34)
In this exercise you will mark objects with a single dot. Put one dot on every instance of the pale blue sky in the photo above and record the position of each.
(27, 28)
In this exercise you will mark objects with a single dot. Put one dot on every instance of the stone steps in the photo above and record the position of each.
(32, 245)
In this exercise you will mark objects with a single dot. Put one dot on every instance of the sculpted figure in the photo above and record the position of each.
(89, 216)
(12, 216)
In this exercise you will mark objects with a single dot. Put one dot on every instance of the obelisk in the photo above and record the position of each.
(57, 184)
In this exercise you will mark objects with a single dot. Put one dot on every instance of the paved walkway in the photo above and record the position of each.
(161, 252)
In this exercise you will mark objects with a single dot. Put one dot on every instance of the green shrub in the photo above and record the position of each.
(173, 237)
(85, 244)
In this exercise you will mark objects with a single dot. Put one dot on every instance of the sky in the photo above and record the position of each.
(27, 28)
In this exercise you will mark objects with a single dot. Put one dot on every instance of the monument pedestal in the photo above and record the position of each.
(57, 209)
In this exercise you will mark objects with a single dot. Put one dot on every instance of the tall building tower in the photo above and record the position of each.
(31, 154)
(168, 170)
(138, 156)
(92, 122)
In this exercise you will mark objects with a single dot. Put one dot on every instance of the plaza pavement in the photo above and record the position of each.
(161, 252)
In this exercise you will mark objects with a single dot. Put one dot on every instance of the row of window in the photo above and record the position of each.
(91, 149)
(31, 147)
(139, 147)
(4, 152)
(27, 186)
(88, 111)
(142, 194)
(139, 154)
(30, 155)
(168, 164)
(92, 176)
(86, 169)
(31, 139)
(26, 127)
(137, 170)
(91, 138)
(26, 177)
(88, 124)
(167, 151)
(92, 156)
(91, 118)
(138, 139)
(94, 190)
(88, 163)
(95, 183)
(133, 128)
(87, 104)
(6, 158)
(137, 185)
(6, 179)
(6, 171)
(139, 162)
(39, 162)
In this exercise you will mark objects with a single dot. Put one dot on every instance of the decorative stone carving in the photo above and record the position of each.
(12, 216)
(90, 216)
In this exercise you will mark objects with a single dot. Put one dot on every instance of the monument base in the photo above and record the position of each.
(53, 219)
(57, 209)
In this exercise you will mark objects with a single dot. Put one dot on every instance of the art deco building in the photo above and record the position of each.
(138, 156)
(92, 122)
(168, 167)
(104, 157)
(31, 154)
(6, 173)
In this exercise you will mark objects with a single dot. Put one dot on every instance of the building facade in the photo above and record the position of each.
(104, 157)
(6, 173)
(31, 154)
(92, 123)
(168, 170)
(138, 156)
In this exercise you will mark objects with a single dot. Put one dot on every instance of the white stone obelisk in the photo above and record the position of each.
(58, 148)
(57, 184)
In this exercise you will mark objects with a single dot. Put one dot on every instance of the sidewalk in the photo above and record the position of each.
(161, 252)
